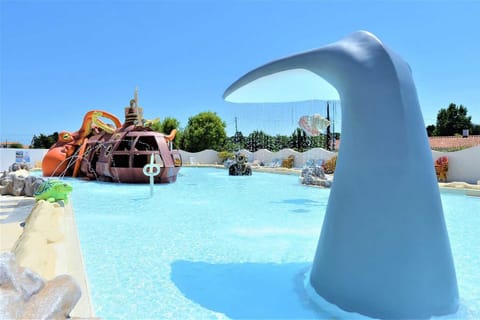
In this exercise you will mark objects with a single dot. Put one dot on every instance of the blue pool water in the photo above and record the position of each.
(211, 246)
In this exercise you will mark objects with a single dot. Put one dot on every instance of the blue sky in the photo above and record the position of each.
(60, 59)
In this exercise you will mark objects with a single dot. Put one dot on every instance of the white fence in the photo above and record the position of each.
(263, 156)
(202, 157)
(464, 165)
(28, 156)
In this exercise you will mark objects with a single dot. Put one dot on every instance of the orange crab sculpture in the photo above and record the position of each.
(113, 152)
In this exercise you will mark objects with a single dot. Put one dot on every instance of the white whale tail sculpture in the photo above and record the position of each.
(383, 250)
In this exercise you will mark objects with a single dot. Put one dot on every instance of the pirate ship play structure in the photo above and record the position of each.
(114, 152)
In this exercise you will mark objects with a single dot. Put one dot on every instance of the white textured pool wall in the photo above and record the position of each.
(463, 165)
(30, 157)
(384, 249)
(262, 156)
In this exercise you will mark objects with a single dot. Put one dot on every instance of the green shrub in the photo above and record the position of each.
(225, 155)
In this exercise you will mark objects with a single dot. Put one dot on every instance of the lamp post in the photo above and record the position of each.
(328, 138)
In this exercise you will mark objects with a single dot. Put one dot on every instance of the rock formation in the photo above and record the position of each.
(25, 295)
(314, 175)
(18, 182)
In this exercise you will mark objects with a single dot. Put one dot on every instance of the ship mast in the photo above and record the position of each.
(134, 113)
(135, 96)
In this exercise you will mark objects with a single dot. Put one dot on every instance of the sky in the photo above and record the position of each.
(61, 59)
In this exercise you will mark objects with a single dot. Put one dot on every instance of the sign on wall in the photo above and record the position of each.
(22, 157)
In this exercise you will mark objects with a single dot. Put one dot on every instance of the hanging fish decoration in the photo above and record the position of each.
(313, 125)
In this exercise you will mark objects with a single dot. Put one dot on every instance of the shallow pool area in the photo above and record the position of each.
(213, 246)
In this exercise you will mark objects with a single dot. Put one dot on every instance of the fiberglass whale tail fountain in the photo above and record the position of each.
(383, 249)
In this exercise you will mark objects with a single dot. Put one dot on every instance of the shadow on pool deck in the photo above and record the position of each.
(247, 290)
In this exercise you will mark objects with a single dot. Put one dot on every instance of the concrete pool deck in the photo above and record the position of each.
(69, 260)
(472, 190)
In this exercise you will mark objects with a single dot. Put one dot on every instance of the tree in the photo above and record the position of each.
(299, 140)
(280, 142)
(235, 142)
(14, 145)
(155, 125)
(260, 140)
(430, 130)
(43, 141)
(317, 141)
(452, 121)
(239, 139)
(168, 124)
(251, 142)
(204, 131)
(475, 129)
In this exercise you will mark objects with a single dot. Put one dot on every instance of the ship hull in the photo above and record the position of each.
(125, 156)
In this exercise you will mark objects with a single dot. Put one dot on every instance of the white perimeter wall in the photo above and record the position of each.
(29, 156)
(263, 155)
(464, 165)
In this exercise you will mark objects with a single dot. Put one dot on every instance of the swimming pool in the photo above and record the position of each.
(212, 246)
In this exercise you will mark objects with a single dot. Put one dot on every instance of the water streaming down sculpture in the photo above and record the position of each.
(383, 249)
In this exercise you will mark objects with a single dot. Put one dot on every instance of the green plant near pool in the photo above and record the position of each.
(225, 155)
